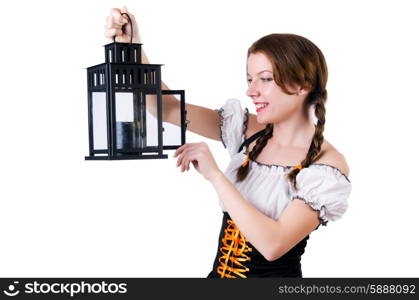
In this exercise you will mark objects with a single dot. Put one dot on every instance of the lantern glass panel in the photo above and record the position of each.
(152, 123)
(129, 128)
(100, 138)
(172, 134)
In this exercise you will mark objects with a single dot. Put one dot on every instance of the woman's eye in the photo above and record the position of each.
(263, 79)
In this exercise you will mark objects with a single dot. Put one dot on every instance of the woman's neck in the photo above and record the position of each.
(293, 133)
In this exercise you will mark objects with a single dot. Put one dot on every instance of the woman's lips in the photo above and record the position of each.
(259, 108)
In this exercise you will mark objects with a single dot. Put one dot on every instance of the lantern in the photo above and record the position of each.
(125, 107)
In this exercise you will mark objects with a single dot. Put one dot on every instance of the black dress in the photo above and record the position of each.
(237, 258)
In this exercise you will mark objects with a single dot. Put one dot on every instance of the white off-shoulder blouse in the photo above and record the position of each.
(323, 187)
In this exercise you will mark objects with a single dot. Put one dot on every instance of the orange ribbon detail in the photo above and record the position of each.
(233, 251)
(247, 161)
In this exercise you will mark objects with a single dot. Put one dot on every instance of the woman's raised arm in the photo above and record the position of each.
(202, 121)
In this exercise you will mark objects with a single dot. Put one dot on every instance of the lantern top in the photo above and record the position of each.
(123, 53)
(123, 44)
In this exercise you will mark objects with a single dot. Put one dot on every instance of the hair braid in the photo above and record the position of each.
(261, 142)
(319, 100)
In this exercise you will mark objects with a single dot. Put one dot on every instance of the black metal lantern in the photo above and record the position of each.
(120, 124)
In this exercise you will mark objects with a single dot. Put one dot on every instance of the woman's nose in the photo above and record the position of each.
(252, 90)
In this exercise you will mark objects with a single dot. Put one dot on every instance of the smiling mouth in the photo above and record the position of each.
(260, 107)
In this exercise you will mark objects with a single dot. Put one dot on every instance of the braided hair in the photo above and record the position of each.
(295, 61)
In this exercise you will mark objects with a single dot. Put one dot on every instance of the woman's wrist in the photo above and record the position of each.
(216, 178)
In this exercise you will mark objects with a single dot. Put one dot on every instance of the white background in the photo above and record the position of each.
(64, 216)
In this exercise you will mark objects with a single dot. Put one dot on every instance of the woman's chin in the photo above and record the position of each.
(261, 120)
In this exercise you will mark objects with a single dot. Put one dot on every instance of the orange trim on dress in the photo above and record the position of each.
(233, 251)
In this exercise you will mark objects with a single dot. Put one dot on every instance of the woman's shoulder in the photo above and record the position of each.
(331, 156)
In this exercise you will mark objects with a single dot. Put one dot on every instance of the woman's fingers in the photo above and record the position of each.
(182, 154)
(180, 150)
(199, 155)
(189, 157)
(179, 160)
(123, 33)
(109, 23)
(114, 23)
(118, 18)
(110, 33)
(185, 164)
(125, 10)
(187, 154)
(182, 161)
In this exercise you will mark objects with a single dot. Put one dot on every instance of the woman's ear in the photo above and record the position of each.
(302, 91)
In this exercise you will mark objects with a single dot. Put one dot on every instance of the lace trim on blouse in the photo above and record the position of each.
(289, 167)
(313, 206)
(221, 123)
(245, 121)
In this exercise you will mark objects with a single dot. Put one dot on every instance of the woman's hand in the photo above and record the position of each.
(117, 26)
(200, 156)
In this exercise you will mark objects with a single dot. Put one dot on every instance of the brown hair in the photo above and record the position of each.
(295, 61)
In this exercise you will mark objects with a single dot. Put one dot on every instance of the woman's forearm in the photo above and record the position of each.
(259, 229)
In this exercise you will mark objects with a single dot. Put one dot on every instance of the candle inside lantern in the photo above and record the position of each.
(127, 137)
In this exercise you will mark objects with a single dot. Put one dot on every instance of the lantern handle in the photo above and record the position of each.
(130, 23)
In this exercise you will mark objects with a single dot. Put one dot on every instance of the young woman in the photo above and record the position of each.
(284, 179)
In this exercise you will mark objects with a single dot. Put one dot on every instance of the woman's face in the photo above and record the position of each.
(273, 105)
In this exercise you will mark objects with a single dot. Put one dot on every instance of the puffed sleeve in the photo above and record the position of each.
(325, 188)
(233, 125)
